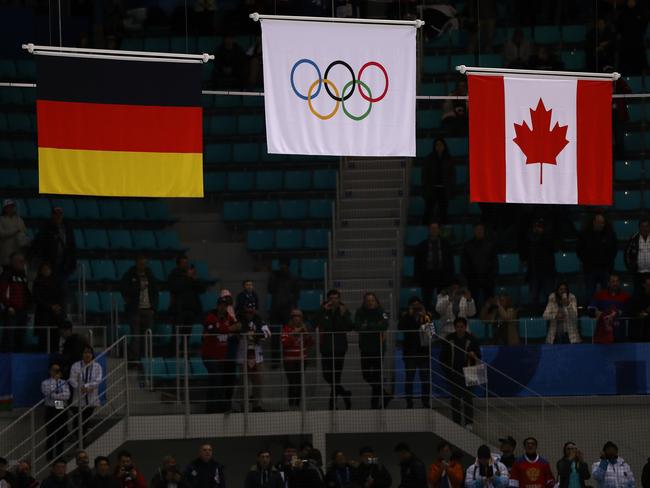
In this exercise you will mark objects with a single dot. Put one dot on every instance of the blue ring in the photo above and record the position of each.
(320, 78)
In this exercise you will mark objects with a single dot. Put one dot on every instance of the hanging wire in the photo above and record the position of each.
(187, 42)
(49, 18)
(478, 30)
(60, 32)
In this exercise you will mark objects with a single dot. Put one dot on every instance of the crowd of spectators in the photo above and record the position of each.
(304, 467)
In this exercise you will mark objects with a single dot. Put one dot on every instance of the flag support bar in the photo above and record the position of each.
(415, 23)
(507, 71)
(80, 52)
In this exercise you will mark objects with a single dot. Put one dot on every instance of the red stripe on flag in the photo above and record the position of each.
(594, 142)
(112, 127)
(487, 139)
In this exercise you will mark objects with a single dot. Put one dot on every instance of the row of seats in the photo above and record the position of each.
(307, 269)
(286, 239)
(248, 181)
(127, 240)
(268, 210)
(247, 152)
(114, 270)
(180, 44)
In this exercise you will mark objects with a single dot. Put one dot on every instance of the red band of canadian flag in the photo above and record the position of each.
(540, 140)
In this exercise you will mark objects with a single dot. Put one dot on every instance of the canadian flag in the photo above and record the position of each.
(540, 140)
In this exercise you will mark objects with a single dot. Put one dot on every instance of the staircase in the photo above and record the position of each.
(368, 229)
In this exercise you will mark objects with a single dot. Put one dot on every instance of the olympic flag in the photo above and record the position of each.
(337, 89)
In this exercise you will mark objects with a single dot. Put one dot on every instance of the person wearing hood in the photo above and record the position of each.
(572, 471)
(205, 471)
(263, 474)
(370, 472)
(487, 471)
(13, 232)
(58, 477)
(612, 471)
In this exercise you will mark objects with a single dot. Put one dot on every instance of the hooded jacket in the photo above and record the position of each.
(200, 474)
(615, 474)
(258, 477)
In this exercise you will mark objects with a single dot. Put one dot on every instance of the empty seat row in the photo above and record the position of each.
(248, 152)
(179, 44)
(248, 181)
(17, 96)
(168, 369)
(123, 239)
(264, 210)
(286, 239)
(21, 150)
(234, 124)
(458, 146)
(17, 69)
(307, 269)
(17, 122)
(114, 270)
(95, 209)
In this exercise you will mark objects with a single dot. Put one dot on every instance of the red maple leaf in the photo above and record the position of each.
(541, 145)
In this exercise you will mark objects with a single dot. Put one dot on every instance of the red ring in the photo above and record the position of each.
(383, 70)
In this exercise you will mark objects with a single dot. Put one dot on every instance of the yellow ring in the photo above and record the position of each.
(336, 107)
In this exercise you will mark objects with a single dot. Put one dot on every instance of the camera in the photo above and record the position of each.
(373, 460)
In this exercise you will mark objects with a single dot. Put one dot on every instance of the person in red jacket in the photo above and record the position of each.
(126, 474)
(218, 330)
(15, 301)
(295, 348)
(531, 470)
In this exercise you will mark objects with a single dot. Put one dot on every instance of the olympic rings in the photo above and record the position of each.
(348, 89)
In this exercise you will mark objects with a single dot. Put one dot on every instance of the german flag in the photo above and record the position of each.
(119, 127)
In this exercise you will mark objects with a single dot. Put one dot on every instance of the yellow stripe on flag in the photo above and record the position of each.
(120, 173)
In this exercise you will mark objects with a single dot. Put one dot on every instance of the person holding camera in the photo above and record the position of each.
(333, 322)
(263, 474)
(415, 350)
(572, 471)
(452, 303)
(562, 314)
(305, 468)
(611, 471)
(126, 473)
(501, 315)
(446, 471)
(57, 393)
(486, 472)
(370, 473)
(168, 475)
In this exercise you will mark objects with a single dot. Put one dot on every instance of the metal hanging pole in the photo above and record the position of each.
(464, 70)
(415, 23)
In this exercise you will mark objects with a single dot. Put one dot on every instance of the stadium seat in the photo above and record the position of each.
(218, 153)
(7, 69)
(635, 83)
(310, 300)
(132, 44)
(202, 271)
(168, 240)
(286, 239)
(183, 44)
(79, 240)
(19, 122)
(297, 180)
(245, 152)
(532, 328)
(408, 269)
(416, 206)
(260, 240)
(325, 179)
(432, 89)
(28, 179)
(627, 200)
(87, 209)
(316, 238)
(236, 211)
(619, 262)
(143, 239)
(156, 44)
(163, 301)
(631, 170)
(67, 205)
(587, 327)
(39, 208)
(264, 210)
(574, 33)
(458, 146)
(175, 367)
(197, 366)
(423, 147)
(633, 141)
(134, 210)
(268, 180)
(250, 124)
(490, 60)
(9, 178)
(293, 209)
(169, 265)
(154, 368)
(26, 69)
(25, 150)
(461, 174)
(405, 295)
(96, 239)
(636, 112)
(103, 270)
(435, 64)
(624, 229)
(320, 209)
(105, 301)
(508, 264)
(196, 333)
(458, 59)
(157, 269)
(222, 124)
(91, 299)
(240, 181)
(416, 176)
(574, 60)
(566, 262)
(312, 269)
(111, 209)
(214, 182)
(157, 210)
(547, 34)
(479, 329)
(162, 334)
(416, 234)
(10, 96)
(428, 119)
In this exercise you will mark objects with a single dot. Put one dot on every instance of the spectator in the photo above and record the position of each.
(572, 471)
(333, 322)
(479, 265)
(263, 474)
(596, 248)
(13, 232)
(540, 256)
(82, 475)
(85, 377)
(415, 350)
(228, 296)
(371, 322)
(453, 303)
(562, 314)
(218, 328)
(517, 50)
(7, 479)
(412, 471)
(612, 471)
(246, 296)
(601, 41)
(126, 473)
(168, 475)
(205, 471)
(69, 348)
(339, 473)
(500, 314)
(231, 71)
(255, 332)
(103, 477)
(370, 472)
(56, 393)
(49, 305)
(140, 293)
(295, 350)
(55, 244)
(508, 446)
(285, 465)
(531, 470)
(284, 290)
(184, 291)
(58, 477)
(459, 350)
(631, 28)
(637, 253)
(486, 472)
(438, 181)
(434, 265)
(640, 311)
(645, 475)
(305, 469)
(23, 477)
(454, 111)
(445, 471)
(15, 302)
(608, 306)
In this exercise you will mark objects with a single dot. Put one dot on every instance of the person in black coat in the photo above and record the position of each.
(263, 474)
(434, 264)
(539, 254)
(370, 472)
(58, 477)
(596, 248)
(572, 459)
(185, 289)
(415, 353)
(438, 181)
(205, 471)
(645, 475)
(82, 475)
(55, 244)
(104, 477)
(412, 470)
(479, 265)
(49, 306)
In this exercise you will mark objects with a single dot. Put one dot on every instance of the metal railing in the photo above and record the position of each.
(49, 332)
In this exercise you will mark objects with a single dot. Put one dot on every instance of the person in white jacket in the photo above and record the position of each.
(612, 471)
(56, 393)
(85, 377)
(13, 232)
(453, 303)
(487, 471)
(562, 314)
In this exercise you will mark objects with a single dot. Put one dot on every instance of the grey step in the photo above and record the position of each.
(363, 243)
(386, 224)
(349, 232)
(373, 193)
(370, 184)
(354, 296)
(363, 284)
(373, 174)
(351, 272)
(360, 253)
(369, 213)
(369, 202)
(374, 164)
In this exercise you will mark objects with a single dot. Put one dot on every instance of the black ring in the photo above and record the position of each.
(327, 88)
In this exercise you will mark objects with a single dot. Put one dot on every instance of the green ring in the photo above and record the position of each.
(351, 84)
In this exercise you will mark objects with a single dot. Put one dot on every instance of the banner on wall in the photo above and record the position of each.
(339, 89)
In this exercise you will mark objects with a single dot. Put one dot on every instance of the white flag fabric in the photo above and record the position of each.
(339, 89)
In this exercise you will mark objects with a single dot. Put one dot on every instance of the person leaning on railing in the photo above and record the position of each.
(85, 378)
(295, 348)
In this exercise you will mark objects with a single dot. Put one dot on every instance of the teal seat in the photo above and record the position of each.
(96, 239)
(208, 301)
(458, 59)
(260, 240)
(197, 366)
(196, 334)
(432, 89)
(250, 124)
(286, 239)
(103, 270)
(408, 268)
(624, 229)
(218, 153)
(631, 170)
(566, 262)
(91, 298)
(182, 44)
(156, 268)
(324, 179)
(87, 209)
(316, 238)
(547, 34)
(39, 208)
(111, 209)
(416, 207)
(619, 262)
(163, 334)
(297, 180)
(636, 112)
(168, 240)
(67, 205)
(423, 147)
(461, 174)
(8, 70)
(240, 181)
(478, 329)
(222, 124)
(312, 269)
(294, 267)
(134, 210)
(532, 328)
(9, 95)
(320, 209)
(635, 83)
(227, 101)
(26, 69)
(236, 211)
(9, 178)
(490, 60)
(175, 367)
(428, 119)
(169, 265)
(264, 210)
(25, 150)
(310, 300)
(268, 180)
(109, 299)
(415, 234)
(202, 271)
(245, 152)
(587, 327)
(252, 101)
(214, 182)
(627, 200)
(416, 176)
(574, 33)
(132, 44)
(143, 240)
(633, 141)
(405, 295)
(79, 240)
(435, 64)
(28, 179)
(6, 150)
(458, 146)
(508, 264)
(19, 122)
(293, 209)
(163, 301)
(574, 60)
(157, 210)
(154, 368)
